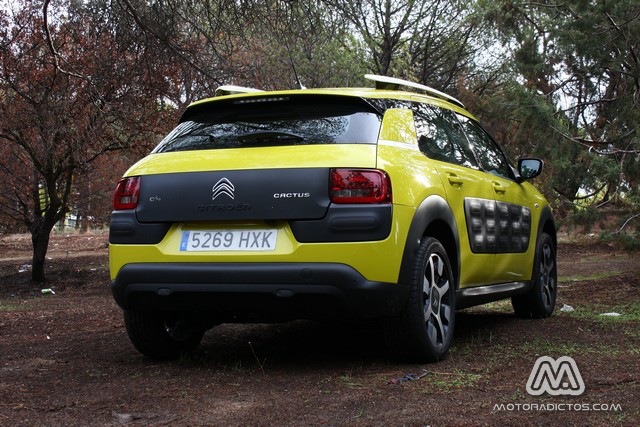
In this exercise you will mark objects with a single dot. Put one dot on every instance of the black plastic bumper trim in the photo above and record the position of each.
(126, 229)
(301, 290)
(346, 223)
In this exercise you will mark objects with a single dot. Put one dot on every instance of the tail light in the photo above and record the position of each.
(370, 186)
(127, 193)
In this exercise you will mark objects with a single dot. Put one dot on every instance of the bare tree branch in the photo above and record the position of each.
(627, 222)
(57, 58)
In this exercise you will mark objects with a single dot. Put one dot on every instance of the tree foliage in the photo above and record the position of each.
(576, 84)
(428, 42)
(72, 90)
(86, 87)
(302, 44)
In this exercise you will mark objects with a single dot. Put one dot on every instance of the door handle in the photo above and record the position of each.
(499, 188)
(454, 179)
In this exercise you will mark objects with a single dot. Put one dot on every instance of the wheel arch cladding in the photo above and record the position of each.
(547, 225)
(433, 218)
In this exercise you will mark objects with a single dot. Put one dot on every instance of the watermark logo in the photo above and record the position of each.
(557, 377)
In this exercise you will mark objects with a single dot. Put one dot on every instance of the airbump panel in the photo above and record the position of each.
(497, 227)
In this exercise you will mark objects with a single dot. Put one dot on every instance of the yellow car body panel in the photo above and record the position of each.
(518, 266)
(375, 260)
(459, 183)
(345, 155)
(399, 155)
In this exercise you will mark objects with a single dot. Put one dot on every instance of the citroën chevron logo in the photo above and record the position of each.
(223, 186)
(557, 377)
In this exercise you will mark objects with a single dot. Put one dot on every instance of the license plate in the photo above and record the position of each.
(228, 240)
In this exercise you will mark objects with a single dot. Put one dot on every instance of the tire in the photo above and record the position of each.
(162, 336)
(541, 300)
(423, 331)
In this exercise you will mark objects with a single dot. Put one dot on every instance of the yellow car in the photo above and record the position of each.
(343, 203)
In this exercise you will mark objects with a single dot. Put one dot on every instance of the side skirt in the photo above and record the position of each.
(468, 297)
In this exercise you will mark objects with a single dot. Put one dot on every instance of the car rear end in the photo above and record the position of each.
(262, 207)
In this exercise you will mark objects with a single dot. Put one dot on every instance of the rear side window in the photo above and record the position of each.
(491, 157)
(440, 136)
(274, 121)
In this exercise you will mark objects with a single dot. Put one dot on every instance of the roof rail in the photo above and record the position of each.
(391, 83)
(233, 90)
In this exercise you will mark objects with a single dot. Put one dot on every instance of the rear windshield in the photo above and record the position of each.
(274, 121)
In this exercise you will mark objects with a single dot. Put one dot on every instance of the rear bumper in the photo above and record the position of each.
(257, 291)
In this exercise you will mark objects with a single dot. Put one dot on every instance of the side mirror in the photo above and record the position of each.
(529, 168)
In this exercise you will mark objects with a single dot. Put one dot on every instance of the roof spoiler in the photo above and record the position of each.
(234, 90)
(391, 83)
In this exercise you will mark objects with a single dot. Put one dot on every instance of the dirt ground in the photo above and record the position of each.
(65, 358)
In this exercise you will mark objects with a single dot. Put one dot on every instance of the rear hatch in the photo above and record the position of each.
(255, 158)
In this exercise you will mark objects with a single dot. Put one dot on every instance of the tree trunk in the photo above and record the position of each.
(40, 240)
